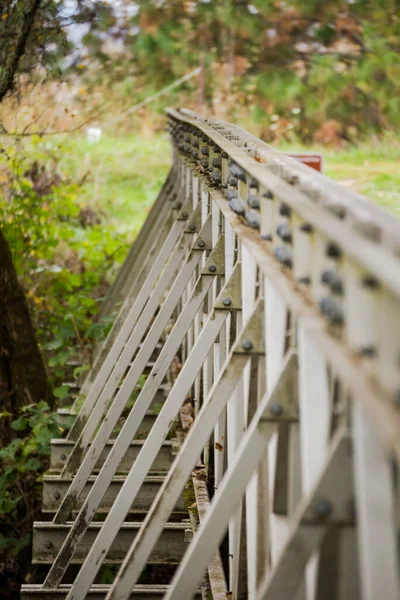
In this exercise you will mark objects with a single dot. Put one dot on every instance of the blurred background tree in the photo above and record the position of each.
(316, 71)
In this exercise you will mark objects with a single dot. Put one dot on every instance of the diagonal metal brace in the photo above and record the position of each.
(215, 264)
(286, 408)
(230, 297)
(251, 341)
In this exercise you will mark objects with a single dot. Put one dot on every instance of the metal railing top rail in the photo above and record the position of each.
(374, 257)
(300, 242)
(366, 217)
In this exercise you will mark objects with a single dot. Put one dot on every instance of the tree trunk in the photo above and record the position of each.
(26, 17)
(23, 378)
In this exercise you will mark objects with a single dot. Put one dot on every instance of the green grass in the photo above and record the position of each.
(377, 176)
(371, 169)
(123, 175)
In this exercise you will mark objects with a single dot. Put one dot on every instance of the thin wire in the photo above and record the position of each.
(165, 90)
(106, 106)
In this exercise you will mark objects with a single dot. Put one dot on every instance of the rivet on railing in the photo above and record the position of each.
(254, 183)
(332, 311)
(304, 280)
(337, 286)
(268, 195)
(212, 268)
(306, 228)
(231, 194)
(204, 150)
(253, 219)
(328, 276)
(276, 409)
(283, 232)
(285, 210)
(216, 177)
(370, 282)
(226, 301)
(291, 179)
(247, 345)
(237, 172)
(216, 163)
(333, 251)
(253, 202)
(323, 508)
(237, 206)
(368, 351)
(282, 253)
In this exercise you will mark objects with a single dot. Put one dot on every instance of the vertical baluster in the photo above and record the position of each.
(235, 426)
(315, 422)
(374, 485)
(220, 429)
(275, 330)
(255, 554)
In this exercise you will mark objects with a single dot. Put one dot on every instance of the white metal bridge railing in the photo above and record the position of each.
(279, 290)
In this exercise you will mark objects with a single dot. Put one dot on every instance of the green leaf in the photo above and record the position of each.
(62, 391)
(33, 464)
(54, 344)
(20, 424)
(10, 450)
(78, 371)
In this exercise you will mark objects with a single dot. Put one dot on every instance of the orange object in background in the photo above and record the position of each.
(315, 161)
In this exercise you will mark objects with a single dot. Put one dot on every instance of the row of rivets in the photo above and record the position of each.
(329, 306)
